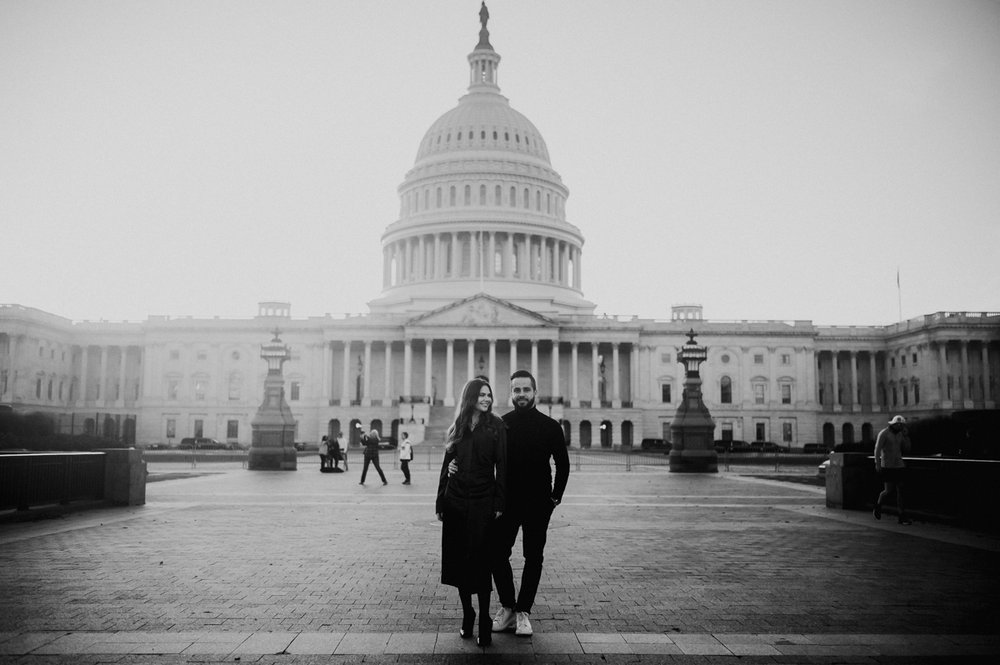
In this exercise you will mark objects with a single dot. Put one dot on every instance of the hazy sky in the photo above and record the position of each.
(767, 159)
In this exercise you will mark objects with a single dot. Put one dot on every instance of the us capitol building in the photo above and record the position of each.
(482, 274)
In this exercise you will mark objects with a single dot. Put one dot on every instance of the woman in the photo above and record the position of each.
(370, 442)
(470, 500)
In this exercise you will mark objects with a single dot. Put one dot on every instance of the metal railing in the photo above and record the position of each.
(36, 479)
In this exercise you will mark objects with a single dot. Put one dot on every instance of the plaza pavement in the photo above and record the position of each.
(228, 565)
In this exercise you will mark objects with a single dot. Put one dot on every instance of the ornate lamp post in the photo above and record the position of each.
(692, 430)
(273, 427)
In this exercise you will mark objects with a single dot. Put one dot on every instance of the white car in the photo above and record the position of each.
(821, 469)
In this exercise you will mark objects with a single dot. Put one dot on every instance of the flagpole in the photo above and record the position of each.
(899, 295)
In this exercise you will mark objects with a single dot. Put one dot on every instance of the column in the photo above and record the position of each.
(508, 269)
(436, 268)
(449, 380)
(874, 381)
(987, 393)
(574, 363)
(454, 256)
(943, 373)
(543, 248)
(492, 369)
(474, 254)
(121, 377)
(102, 387)
(555, 392)
(966, 395)
(327, 371)
(366, 395)
(513, 356)
(471, 359)
(855, 405)
(836, 382)
(534, 359)
(616, 398)
(491, 256)
(408, 368)
(84, 369)
(148, 353)
(428, 368)
(633, 379)
(595, 400)
(345, 380)
(387, 398)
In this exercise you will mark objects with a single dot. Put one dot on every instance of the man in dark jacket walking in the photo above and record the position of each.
(532, 440)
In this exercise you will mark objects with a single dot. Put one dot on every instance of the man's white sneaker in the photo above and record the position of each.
(504, 620)
(523, 625)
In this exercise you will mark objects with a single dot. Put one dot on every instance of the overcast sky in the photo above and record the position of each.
(766, 159)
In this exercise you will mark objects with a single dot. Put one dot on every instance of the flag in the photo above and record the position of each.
(897, 278)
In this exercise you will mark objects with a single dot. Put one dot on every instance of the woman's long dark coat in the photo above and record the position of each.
(469, 501)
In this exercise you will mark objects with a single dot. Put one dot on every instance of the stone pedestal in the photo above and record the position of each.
(692, 431)
(272, 444)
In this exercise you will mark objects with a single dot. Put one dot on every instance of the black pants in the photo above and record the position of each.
(533, 521)
(404, 464)
(374, 461)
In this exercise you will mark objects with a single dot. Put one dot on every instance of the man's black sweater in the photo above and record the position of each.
(532, 440)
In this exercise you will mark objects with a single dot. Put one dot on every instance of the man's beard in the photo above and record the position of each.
(527, 405)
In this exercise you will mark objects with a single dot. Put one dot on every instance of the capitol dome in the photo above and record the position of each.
(482, 211)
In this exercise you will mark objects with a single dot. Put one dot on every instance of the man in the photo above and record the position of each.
(891, 444)
(532, 440)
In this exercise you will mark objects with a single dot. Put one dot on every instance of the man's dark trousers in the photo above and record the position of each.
(533, 521)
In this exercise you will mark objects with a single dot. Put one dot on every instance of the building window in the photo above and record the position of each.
(725, 358)
(38, 388)
(916, 393)
(295, 391)
(760, 431)
(199, 428)
(914, 358)
(758, 393)
(758, 359)
(786, 393)
(232, 429)
(497, 195)
(527, 198)
(482, 192)
(665, 393)
(786, 359)
(202, 355)
(468, 195)
(171, 428)
(902, 360)
(906, 395)
(727, 431)
(437, 198)
(451, 196)
(786, 432)
(175, 354)
(200, 388)
(666, 358)
(513, 197)
(726, 391)
(235, 386)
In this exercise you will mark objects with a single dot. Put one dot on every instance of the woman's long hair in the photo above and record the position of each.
(465, 411)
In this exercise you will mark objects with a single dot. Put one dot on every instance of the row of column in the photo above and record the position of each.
(547, 385)
(82, 397)
(924, 376)
(441, 255)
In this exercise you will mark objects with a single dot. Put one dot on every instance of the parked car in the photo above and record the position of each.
(386, 442)
(202, 443)
(768, 447)
(732, 446)
(821, 469)
(816, 448)
(307, 445)
(655, 444)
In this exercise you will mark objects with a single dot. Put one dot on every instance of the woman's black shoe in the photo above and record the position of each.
(468, 625)
(484, 640)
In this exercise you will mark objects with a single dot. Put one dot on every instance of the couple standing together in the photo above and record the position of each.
(496, 478)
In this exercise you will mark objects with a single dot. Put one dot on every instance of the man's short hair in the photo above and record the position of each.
(523, 373)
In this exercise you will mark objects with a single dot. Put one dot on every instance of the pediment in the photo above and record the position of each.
(481, 310)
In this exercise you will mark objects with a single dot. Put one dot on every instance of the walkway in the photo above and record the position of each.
(642, 566)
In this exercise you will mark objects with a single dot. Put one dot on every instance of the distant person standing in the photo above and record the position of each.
(370, 442)
(339, 452)
(533, 439)
(890, 446)
(324, 453)
(405, 456)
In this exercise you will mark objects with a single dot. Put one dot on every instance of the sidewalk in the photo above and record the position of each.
(641, 566)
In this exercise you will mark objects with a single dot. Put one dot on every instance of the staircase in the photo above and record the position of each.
(440, 420)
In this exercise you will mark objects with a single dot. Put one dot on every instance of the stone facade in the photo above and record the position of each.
(482, 273)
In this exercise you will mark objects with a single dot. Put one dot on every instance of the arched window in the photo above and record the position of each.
(726, 391)
(451, 195)
(482, 195)
(497, 195)
(848, 433)
(439, 200)
(513, 196)
(527, 198)
(498, 262)
(538, 200)
(468, 195)
(548, 204)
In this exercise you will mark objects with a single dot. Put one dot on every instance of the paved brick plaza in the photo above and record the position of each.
(642, 566)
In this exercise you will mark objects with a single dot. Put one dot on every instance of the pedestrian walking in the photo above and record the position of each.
(470, 498)
(324, 454)
(533, 439)
(405, 456)
(890, 446)
(370, 442)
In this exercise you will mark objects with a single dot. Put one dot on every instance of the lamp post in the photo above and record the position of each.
(272, 444)
(692, 430)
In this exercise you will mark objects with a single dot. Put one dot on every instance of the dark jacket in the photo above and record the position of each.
(532, 440)
(468, 501)
(371, 446)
